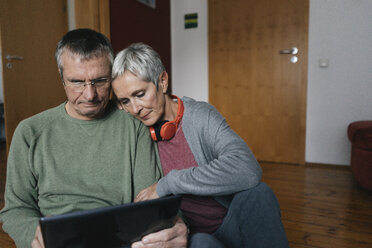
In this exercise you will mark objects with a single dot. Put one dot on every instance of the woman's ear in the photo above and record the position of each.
(163, 82)
(119, 105)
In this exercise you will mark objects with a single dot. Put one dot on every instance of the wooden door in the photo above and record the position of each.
(259, 91)
(31, 30)
(93, 14)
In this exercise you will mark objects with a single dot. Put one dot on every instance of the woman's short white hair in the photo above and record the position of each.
(141, 60)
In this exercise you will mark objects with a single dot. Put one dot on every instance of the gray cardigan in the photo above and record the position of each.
(226, 165)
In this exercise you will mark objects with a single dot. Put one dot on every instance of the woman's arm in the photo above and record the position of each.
(226, 164)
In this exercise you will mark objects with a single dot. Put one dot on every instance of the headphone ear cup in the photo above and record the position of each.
(155, 131)
(168, 130)
(165, 130)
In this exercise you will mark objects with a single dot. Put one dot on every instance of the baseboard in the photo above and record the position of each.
(333, 166)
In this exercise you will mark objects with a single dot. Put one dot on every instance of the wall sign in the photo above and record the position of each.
(191, 20)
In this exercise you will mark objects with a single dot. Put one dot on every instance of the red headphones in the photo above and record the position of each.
(165, 130)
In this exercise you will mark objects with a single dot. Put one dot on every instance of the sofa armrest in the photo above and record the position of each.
(360, 134)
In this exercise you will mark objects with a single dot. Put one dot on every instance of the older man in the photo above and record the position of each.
(82, 154)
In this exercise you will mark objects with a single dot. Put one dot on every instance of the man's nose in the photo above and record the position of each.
(89, 92)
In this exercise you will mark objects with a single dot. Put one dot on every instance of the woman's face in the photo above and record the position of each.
(141, 99)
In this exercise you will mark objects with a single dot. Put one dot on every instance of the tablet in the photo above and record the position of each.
(109, 227)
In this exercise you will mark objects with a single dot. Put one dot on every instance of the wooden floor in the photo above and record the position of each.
(321, 205)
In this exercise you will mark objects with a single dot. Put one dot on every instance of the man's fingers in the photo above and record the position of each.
(175, 236)
(40, 236)
(38, 241)
(157, 245)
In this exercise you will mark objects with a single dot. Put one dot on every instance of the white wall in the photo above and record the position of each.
(339, 30)
(189, 50)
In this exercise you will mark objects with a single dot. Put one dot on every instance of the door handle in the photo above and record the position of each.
(13, 57)
(293, 50)
(8, 57)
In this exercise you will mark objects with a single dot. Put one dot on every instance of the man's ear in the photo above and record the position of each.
(163, 82)
(115, 100)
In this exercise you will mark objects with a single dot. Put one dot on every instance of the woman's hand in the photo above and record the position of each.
(147, 194)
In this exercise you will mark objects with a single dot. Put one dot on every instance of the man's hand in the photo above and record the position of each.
(147, 194)
(174, 237)
(38, 241)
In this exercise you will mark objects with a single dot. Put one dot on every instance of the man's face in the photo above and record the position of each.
(91, 102)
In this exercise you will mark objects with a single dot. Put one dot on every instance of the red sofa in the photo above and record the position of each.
(360, 135)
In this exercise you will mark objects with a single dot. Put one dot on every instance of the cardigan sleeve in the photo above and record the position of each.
(226, 165)
(21, 214)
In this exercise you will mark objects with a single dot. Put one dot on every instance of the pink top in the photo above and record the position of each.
(203, 214)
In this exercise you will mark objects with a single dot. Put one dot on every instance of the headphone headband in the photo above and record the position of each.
(165, 130)
(180, 110)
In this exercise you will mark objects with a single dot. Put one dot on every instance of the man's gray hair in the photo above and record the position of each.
(141, 60)
(86, 43)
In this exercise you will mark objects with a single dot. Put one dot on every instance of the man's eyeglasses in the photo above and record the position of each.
(79, 86)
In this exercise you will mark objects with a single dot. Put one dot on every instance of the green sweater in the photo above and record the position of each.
(58, 164)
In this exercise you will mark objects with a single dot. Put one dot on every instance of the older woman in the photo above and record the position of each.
(202, 158)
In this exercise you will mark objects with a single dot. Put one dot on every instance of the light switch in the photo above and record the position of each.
(323, 63)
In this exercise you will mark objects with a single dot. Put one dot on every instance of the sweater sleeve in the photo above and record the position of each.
(147, 168)
(226, 165)
(21, 213)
